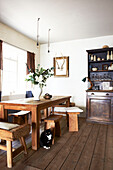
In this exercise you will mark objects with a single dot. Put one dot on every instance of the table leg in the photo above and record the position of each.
(52, 110)
(1, 111)
(67, 116)
(6, 115)
(46, 112)
(9, 154)
(68, 102)
(35, 128)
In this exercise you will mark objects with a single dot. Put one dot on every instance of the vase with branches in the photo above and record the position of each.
(38, 78)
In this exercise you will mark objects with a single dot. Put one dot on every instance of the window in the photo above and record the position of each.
(14, 70)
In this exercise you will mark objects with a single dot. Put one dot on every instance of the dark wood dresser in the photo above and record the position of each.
(99, 107)
(100, 96)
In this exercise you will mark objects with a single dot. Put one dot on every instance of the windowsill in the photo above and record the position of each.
(13, 97)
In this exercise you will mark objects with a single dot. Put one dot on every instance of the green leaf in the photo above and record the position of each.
(46, 73)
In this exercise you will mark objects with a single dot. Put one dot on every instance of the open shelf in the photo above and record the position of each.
(101, 80)
(102, 71)
(101, 61)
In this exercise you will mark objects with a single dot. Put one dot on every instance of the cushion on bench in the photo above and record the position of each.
(67, 109)
(20, 113)
(73, 109)
(60, 109)
(7, 126)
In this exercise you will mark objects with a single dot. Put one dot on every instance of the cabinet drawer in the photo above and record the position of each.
(100, 94)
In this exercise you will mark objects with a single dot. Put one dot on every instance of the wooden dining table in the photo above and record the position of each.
(29, 104)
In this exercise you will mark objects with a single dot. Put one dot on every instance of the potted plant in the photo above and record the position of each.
(38, 78)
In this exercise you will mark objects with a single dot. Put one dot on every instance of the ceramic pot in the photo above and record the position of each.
(37, 91)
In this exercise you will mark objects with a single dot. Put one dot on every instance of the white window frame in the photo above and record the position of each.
(19, 93)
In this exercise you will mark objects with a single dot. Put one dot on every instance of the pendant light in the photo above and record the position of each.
(49, 40)
(38, 32)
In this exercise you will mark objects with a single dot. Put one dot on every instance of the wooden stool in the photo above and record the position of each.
(20, 117)
(72, 112)
(11, 132)
(53, 122)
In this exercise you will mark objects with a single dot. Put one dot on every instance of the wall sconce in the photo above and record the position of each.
(91, 84)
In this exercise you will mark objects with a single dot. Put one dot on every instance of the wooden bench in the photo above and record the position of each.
(53, 122)
(11, 132)
(20, 117)
(73, 118)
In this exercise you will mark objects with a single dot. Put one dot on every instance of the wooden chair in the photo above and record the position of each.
(11, 132)
(53, 122)
(73, 113)
(20, 117)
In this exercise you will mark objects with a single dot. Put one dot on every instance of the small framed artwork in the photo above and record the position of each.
(104, 67)
(106, 85)
(61, 65)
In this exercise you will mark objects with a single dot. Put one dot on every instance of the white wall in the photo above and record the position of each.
(76, 50)
(17, 39)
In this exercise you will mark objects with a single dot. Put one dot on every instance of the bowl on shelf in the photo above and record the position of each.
(47, 96)
(94, 69)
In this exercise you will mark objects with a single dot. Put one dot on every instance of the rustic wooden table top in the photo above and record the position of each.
(31, 101)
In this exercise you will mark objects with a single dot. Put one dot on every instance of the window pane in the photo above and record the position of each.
(6, 65)
(13, 66)
(14, 70)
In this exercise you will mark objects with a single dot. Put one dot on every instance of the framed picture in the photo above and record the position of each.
(104, 67)
(61, 65)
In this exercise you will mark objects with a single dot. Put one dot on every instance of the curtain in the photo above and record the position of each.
(1, 67)
(30, 61)
(31, 65)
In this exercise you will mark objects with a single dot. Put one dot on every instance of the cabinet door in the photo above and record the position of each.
(99, 109)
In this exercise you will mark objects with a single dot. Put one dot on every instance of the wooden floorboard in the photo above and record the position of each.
(86, 154)
(99, 152)
(91, 148)
(108, 163)
(75, 153)
(31, 168)
(65, 150)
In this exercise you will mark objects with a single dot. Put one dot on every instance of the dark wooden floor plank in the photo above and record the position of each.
(86, 155)
(74, 155)
(99, 152)
(47, 158)
(109, 149)
(31, 168)
(63, 153)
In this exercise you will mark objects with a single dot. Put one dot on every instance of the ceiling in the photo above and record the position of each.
(67, 19)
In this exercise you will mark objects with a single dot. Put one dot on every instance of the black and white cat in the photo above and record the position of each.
(46, 139)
